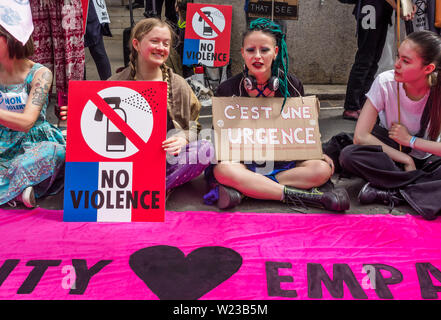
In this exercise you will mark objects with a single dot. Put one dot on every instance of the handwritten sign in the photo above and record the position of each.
(258, 129)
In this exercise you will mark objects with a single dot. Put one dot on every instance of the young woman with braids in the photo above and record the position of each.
(32, 151)
(187, 157)
(266, 63)
(412, 174)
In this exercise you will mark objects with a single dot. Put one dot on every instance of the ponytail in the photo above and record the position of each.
(435, 108)
(428, 46)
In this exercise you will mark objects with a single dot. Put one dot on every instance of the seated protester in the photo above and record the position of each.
(32, 151)
(264, 52)
(187, 157)
(412, 175)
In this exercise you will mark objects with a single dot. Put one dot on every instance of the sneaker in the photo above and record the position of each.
(351, 114)
(27, 197)
(228, 197)
(369, 194)
(335, 200)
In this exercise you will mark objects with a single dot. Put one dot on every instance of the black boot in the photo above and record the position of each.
(336, 199)
(136, 5)
(228, 197)
(369, 194)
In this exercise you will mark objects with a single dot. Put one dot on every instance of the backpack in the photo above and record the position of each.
(348, 1)
(335, 145)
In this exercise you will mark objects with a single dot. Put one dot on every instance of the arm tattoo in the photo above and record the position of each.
(46, 76)
(41, 91)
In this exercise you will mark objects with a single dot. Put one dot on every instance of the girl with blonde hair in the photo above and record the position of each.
(187, 157)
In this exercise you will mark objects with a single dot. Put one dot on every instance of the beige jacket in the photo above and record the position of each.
(184, 106)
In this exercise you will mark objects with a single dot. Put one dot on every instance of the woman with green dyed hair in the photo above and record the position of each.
(266, 75)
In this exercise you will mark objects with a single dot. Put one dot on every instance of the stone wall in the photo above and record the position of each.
(321, 43)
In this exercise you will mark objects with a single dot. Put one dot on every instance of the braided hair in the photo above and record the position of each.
(282, 60)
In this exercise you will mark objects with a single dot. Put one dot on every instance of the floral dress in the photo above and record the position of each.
(34, 158)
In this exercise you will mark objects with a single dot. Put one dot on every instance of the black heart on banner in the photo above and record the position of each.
(172, 276)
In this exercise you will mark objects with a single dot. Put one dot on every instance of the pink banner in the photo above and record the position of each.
(209, 255)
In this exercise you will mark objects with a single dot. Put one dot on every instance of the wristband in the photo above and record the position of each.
(412, 142)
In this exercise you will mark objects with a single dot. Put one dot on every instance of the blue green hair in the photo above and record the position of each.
(282, 60)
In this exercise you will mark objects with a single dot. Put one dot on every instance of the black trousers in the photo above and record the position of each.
(170, 10)
(421, 188)
(370, 44)
(99, 55)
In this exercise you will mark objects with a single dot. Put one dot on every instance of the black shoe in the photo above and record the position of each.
(228, 197)
(151, 14)
(135, 5)
(369, 194)
(351, 114)
(336, 199)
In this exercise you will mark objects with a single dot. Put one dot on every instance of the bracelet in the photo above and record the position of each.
(412, 142)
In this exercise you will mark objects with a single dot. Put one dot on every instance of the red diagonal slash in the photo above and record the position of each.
(211, 24)
(118, 122)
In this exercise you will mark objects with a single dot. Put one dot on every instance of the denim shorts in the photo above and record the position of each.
(278, 166)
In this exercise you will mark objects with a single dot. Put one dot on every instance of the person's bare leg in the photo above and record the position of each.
(307, 174)
(251, 184)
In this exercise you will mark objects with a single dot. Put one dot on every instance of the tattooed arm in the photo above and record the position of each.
(37, 98)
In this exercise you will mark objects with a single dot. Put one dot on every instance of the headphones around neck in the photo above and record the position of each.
(250, 82)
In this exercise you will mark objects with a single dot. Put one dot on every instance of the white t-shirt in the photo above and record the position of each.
(383, 95)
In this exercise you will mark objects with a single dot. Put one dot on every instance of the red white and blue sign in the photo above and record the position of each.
(115, 165)
(207, 35)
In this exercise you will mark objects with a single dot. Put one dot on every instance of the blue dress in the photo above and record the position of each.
(35, 158)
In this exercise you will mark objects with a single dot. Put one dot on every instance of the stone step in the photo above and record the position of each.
(326, 91)
(115, 3)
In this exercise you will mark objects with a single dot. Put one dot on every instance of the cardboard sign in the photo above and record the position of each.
(255, 129)
(207, 35)
(283, 9)
(115, 165)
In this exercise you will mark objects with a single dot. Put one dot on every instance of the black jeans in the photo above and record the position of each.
(370, 44)
(170, 10)
(99, 55)
(421, 188)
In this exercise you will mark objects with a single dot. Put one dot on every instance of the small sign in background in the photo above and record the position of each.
(207, 35)
(283, 9)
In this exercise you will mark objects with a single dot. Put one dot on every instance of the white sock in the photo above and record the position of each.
(283, 194)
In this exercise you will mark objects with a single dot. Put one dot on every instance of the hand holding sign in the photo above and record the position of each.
(173, 145)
